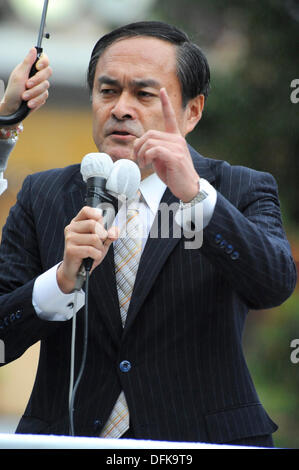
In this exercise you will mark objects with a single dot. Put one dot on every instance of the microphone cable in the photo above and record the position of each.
(73, 388)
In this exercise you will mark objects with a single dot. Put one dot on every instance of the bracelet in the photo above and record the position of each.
(11, 133)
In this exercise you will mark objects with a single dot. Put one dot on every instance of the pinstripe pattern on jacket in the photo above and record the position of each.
(183, 336)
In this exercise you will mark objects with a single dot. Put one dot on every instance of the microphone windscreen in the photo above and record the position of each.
(96, 164)
(124, 178)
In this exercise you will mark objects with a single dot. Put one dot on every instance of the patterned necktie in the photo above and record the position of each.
(127, 251)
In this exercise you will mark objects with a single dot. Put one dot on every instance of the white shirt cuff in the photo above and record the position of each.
(50, 303)
(197, 217)
(3, 183)
(6, 147)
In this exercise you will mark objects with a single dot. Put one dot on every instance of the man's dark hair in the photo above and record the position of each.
(192, 66)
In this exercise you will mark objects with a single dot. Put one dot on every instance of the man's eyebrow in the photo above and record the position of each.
(108, 80)
(146, 83)
(138, 83)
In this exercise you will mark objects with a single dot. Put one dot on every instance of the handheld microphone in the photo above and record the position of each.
(108, 185)
(95, 170)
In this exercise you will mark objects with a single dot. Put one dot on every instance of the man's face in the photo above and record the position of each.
(125, 97)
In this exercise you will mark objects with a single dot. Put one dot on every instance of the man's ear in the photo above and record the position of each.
(194, 110)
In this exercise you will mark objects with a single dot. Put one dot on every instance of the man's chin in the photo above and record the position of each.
(118, 153)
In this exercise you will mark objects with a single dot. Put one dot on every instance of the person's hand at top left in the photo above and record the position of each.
(20, 86)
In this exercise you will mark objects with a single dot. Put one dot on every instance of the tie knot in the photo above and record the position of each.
(137, 197)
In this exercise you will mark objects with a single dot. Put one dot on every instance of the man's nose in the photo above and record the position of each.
(123, 108)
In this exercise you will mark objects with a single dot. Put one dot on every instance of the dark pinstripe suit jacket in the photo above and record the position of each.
(188, 378)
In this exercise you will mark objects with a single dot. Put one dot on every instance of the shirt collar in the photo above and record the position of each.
(152, 189)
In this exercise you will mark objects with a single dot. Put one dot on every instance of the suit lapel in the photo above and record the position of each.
(203, 165)
(103, 293)
(158, 248)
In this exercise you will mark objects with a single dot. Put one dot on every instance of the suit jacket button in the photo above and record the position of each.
(18, 314)
(234, 255)
(223, 244)
(125, 366)
(229, 249)
(97, 424)
(218, 238)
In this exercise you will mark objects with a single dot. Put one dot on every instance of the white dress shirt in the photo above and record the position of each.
(52, 304)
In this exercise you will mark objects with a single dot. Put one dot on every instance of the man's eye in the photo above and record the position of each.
(145, 94)
(107, 91)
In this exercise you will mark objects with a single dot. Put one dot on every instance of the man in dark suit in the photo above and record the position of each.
(175, 366)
